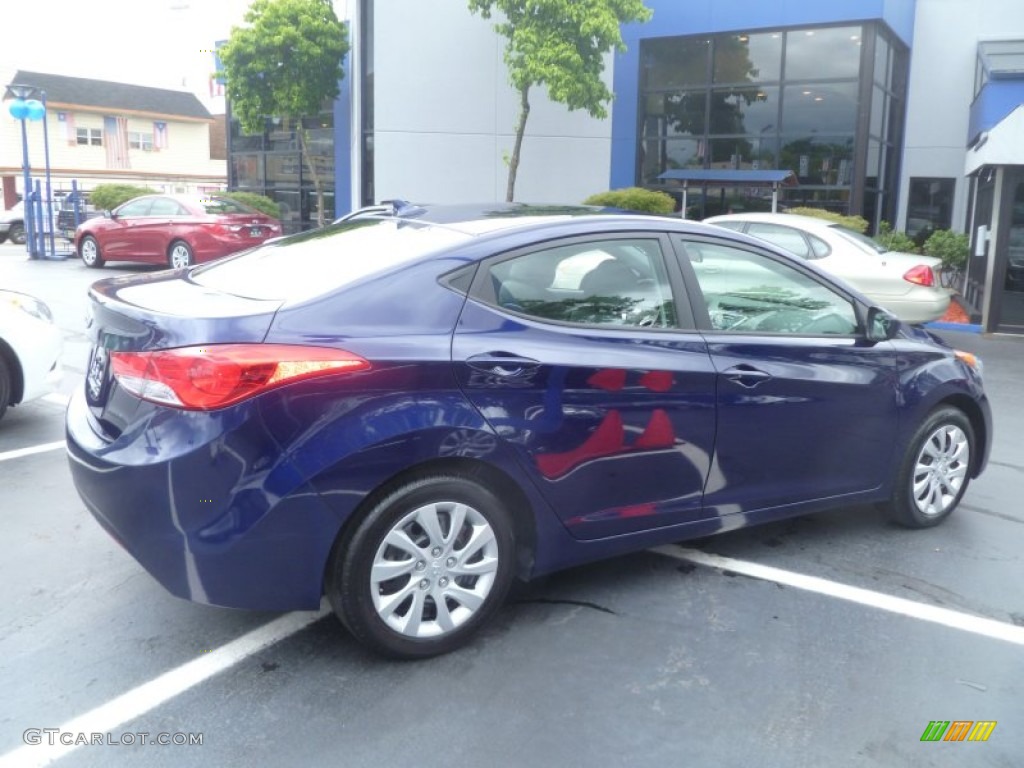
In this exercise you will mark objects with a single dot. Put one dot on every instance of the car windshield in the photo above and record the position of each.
(309, 264)
(863, 241)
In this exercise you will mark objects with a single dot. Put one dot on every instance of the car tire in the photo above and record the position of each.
(425, 568)
(17, 233)
(89, 252)
(179, 255)
(5, 386)
(935, 471)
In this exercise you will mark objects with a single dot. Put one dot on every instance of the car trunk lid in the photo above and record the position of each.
(139, 314)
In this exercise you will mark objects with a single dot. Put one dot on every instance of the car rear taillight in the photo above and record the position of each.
(920, 275)
(215, 376)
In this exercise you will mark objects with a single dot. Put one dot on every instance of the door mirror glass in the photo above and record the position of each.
(881, 325)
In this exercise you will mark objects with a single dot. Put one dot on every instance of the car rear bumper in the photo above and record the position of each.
(917, 309)
(207, 505)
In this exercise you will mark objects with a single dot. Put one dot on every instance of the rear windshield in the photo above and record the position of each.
(307, 265)
(222, 205)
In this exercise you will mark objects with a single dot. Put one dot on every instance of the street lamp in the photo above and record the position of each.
(29, 103)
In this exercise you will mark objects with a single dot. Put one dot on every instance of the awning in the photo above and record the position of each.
(773, 179)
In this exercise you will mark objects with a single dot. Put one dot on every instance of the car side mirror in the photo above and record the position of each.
(881, 324)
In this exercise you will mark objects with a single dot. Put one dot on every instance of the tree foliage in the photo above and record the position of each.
(634, 199)
(260, 203)
(952, 247)
(559, 44)
(286, 62)
(106, 197)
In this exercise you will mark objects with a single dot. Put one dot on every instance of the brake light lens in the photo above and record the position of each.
(215, 376)
(920, 275)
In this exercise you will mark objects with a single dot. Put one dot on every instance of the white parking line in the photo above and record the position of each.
(977, 625)
(42, 448)
(141, 699)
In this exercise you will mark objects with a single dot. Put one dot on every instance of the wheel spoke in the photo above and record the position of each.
(385, 570)
(469, 599)
(478, 568)
(458, 519)
(414, 616)
(444, 616)
(428, 520)
(482, 536)
(388, 604)
(400, 540)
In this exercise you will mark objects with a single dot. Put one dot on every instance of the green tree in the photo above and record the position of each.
(286, 62)
(560, 44)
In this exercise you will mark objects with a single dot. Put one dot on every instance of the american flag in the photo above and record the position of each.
(115, 140)
(68, 120)
(160, 135)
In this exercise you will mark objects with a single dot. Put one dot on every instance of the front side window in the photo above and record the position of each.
(135, 208)
(610, 282)
(746, 292)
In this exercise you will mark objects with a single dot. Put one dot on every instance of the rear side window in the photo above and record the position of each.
(307, 265)
(223, 205)
(786, 238)
(620, 282)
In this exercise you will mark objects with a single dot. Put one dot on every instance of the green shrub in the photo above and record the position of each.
(106, 197)
(952, 247)
(895, 241)
(261, 203)
(634, 199)
(856, 223)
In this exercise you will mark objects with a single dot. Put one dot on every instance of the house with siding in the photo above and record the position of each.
(101, 132)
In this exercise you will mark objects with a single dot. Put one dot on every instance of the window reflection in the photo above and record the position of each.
(821, 54)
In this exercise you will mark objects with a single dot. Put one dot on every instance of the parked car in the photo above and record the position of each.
(74, 209)
(406, 416)
(12, 224)
(176, 230)
(30, 349)
(903, 283)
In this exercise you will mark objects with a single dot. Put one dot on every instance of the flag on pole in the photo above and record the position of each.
(68, 121)
(160, 135)
(115, 140)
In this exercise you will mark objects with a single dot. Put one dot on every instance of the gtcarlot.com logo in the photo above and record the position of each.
(958, 730)
(55, 736)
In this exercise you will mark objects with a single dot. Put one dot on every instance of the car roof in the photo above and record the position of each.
(483, 218)
(794, 219)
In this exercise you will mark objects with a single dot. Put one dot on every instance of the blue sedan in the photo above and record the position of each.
(408, 410)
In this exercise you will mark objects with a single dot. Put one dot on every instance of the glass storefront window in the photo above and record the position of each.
(659, 156)
(744, 110)
(747, 58)
(930, 206)
(819, 160)
(675, 114)
(247, 170)
(675, 62)
(830, 108)
(822, 54)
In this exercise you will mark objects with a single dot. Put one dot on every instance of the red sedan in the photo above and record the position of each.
(176, 230)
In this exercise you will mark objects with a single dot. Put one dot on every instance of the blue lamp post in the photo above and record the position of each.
(26, 105)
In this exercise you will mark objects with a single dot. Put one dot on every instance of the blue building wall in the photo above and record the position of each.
(343, 202)
(694, 17)
(997, 99)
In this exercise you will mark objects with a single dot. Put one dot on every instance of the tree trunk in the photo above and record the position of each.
(318, 186)
(513, 163)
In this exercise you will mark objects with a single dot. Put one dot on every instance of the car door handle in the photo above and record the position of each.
(502, 363)
(746, 375)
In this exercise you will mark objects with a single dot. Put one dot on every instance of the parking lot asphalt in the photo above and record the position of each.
(695, 655)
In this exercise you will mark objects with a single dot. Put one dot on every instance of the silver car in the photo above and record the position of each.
(904, 283)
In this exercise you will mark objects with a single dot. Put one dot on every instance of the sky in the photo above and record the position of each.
(161, 43)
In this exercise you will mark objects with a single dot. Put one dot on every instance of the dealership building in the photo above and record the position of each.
(904, 111)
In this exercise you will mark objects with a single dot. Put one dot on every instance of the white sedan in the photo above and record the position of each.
(904, 283)
(30, 349)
